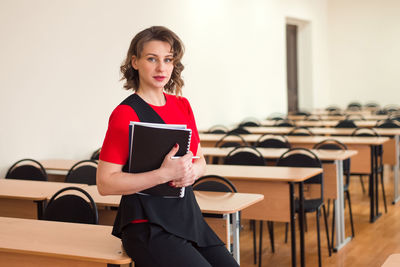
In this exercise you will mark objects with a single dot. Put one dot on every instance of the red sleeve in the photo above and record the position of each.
(115, 147)
(195, 140)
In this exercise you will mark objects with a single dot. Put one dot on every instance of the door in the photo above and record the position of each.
(291, 67)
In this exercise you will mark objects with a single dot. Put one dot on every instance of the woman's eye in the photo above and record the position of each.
(151, 59)
(168, 60)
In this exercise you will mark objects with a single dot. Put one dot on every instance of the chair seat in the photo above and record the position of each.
(310, 205)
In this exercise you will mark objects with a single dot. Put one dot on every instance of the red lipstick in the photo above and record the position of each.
(159, 78)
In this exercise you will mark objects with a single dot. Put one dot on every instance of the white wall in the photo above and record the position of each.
(364, 38)
(60, 60)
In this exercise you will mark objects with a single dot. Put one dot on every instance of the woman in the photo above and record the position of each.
(157, 231)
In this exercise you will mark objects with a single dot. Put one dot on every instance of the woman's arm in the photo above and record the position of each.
(112, 181)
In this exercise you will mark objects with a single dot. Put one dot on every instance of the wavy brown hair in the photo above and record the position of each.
(158, 33)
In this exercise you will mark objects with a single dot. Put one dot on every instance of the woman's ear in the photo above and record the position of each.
(134, 62)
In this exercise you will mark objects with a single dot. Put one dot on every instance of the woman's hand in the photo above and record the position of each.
(178, 171)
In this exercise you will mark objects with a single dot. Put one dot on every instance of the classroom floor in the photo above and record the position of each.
(372, 244)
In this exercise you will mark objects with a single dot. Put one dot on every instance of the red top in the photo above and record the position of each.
(176, 110)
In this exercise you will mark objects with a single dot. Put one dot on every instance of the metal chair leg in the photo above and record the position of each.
(260, 244)
(253, 223)
(319, 239)
(327, 231)
(270, 225)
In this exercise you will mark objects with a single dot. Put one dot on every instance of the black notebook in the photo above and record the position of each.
(149, 144)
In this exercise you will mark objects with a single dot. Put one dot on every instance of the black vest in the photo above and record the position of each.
(179, 216)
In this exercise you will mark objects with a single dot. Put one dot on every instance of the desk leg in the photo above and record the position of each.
(341, 241)
(292, 223)
(373, 185)
(301, 224)
(236, 229)
(40, 208)
(396, 170)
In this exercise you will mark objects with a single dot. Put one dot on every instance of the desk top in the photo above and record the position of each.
(209, 202)
(321, 131)
(62, 240)
(274, 153)
(392, 261)
(58, 164)
(355, 140)
(263, 173)
(31, 190)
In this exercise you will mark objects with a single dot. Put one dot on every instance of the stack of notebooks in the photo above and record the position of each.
(149, 143)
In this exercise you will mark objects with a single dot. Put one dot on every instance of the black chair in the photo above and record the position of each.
(381, 112)
(391, 108)
(302, 113)
(215, 183)
(272, 141)
(346, 124)
(27, 169)
(247, 155)
(72, 207)
(218, 129)
(363, 131)
(284, 123)
(276, 116)
(390, 123)
(372, 105)
(250, 122)
(332, 109)
(354, 117)
(354, 106)
(300, 131)
(238, 130)
(396, 118)
(239, 141)
(96, 154)
(82, 172)
(302, 157)
(313, 118)
(333, 144)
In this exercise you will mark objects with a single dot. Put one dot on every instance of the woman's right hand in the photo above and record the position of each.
(175, 169)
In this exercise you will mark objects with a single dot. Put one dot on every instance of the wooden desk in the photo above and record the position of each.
(392, 261)
(58, 164)
(364, 162)
(277, 186)
(209, 202)
(391, 148)
(26, 242)
(332, 164)
(18, 197)
(323, 123)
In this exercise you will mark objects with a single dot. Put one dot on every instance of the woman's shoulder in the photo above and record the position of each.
(180, 100)
(122, 114)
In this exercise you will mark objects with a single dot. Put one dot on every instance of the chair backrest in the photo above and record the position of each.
(218, 129)
(239, 130)
(82, 172)
(250, 122)
(72, 207)
(354, 106)
(27, 169)
(302, 113)
(391, 108)
(245, 155)
(96, 154)
(372, 105)
(346, 124)
(354, 117)
(239, 141)
(381, 112)
(284, 123)
(302, 157)
(300, 131)
(332, 109)
(272, 141)
(333, 144)
(364, 131)
(214, 183)
(388, 124)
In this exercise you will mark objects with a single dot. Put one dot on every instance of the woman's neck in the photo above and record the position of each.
(153, 97)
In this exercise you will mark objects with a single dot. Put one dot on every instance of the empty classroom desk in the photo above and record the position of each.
(37, 243)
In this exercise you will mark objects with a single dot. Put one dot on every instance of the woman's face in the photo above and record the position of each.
(155, 65)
